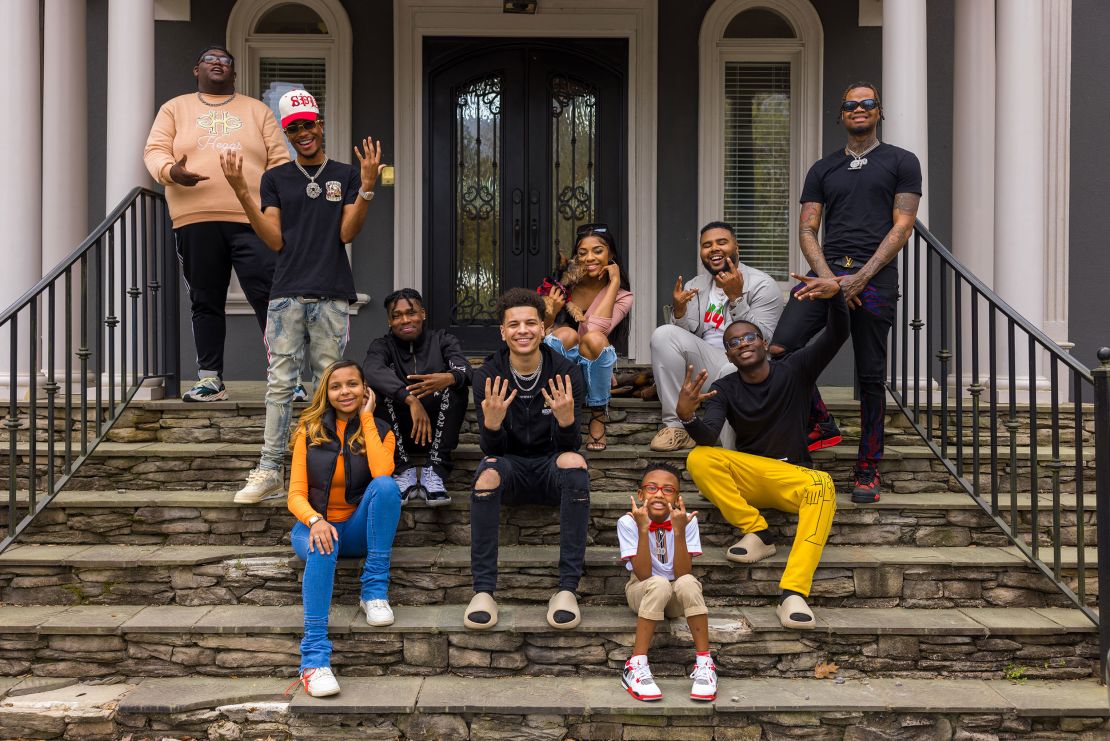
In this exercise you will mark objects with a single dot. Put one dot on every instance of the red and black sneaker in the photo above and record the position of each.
(824, 435)
(868, 483)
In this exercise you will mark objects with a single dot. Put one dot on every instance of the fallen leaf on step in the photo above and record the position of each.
(825, 669)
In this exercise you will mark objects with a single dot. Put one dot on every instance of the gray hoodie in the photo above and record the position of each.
(761, 303)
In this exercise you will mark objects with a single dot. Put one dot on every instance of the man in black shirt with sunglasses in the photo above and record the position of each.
(868, 193)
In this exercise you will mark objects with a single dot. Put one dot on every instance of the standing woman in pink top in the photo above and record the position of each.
(592, 319)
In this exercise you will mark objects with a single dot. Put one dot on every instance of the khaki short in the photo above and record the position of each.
(656, 598)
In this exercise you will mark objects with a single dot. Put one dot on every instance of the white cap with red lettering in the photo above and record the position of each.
(296, 105)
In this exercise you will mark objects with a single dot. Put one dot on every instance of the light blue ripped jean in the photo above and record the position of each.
(368, 532)
(598, 373)
(289, 323)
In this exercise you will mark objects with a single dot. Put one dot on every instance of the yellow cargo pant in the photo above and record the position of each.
(741, 484)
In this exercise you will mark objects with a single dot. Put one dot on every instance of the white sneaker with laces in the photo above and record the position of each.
(433, 484)
(705, 682)
(319, 682)
(261, 482)
(378, 612)
(639, 682)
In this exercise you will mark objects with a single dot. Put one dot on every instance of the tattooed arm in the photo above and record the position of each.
(809, 224)
(905, 213)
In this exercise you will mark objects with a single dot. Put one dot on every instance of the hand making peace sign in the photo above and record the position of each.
(690, 396)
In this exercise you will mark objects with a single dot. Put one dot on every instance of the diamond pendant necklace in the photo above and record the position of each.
(860, 159)
(312, 190)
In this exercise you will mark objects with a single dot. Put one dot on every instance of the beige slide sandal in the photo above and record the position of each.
(749, 549)
(792, 607)
(481, 613)
(562, 610)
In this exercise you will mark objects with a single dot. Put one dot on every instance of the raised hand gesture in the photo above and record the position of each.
(690, 396)
(496, 404)
(680, 517)
(730, 281)
(815, 288)
(231, 163)
(369, 401)
(370, 165)
(680, 298)
(639, 514)
(182, 176)
(561, 399)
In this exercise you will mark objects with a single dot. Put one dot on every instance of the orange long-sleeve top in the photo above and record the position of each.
(379, 454)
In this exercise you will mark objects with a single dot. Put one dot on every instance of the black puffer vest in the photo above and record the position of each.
(320, 463)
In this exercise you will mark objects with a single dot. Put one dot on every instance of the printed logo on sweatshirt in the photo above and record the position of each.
(219, 123)
(714, 316)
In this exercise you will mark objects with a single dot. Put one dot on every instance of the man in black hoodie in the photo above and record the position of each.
(529, 405)
(421, 378)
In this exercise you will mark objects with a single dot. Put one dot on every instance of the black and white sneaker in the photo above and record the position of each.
(300, 393)
(639, 682)
(209, 388)
(435, 491)
(406, 482)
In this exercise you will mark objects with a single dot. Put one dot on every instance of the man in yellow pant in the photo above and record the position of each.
(767, 404)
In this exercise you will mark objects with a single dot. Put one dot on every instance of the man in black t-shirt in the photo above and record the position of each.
(868, 193)
(311, 207)
(767, 404)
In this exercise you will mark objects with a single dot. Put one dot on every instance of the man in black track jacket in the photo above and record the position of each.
(421, 378)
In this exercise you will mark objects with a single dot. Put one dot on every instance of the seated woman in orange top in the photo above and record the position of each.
(341, 491)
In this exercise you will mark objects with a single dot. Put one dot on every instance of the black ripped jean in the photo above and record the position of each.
(530, 481)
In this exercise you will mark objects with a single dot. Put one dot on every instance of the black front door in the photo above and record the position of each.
(525, 142)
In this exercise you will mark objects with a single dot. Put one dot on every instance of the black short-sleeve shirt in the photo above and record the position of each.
(312, 261)
(859, 204)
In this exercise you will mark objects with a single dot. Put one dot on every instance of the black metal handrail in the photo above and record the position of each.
(941, 366)
(116, 328)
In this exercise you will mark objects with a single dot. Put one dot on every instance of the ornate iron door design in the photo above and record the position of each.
(524, 143)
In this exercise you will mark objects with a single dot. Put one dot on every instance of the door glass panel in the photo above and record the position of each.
(757, 163)
(574, 180)
(477, 202)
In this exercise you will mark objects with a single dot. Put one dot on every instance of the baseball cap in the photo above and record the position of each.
(296, 105)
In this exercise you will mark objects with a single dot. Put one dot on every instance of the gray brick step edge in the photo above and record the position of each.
(451, 556)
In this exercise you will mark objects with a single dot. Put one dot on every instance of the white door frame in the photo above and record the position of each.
(635, 20)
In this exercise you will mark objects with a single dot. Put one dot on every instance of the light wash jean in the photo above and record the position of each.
(290, 323)
(369, 532)
(598, 372)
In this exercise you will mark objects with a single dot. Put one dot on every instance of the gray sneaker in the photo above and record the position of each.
(261, 482)
(209, 388)
(406, 482)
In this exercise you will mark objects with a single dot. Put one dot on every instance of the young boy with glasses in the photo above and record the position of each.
(661, 583)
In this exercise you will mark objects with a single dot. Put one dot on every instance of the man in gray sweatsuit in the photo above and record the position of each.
(702, 309)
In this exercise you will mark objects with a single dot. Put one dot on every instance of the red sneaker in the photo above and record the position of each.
(868, 483)
(824, 435)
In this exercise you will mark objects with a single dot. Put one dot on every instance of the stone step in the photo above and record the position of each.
(850, 576)
(170, 641)
(210, 517)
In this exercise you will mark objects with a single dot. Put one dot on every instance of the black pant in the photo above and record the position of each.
(530, 481)
(445, 410)
(871, 324)
(208, 250)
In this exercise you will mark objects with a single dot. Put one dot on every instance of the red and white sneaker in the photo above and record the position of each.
(639, 682)
(705, 682)
(319, 682)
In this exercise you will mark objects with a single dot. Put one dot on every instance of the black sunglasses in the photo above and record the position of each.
(743, 339)
(591, 228)
(867, 104)
(296, 126)
(213, 58)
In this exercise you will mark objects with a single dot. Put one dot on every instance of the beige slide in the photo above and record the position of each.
(749, 549)
(481, 613)
(792, 608)
(562, 610)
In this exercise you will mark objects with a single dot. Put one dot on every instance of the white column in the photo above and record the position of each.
(1019, 223)
(130, 107)
(1057, 76)
(20, 206)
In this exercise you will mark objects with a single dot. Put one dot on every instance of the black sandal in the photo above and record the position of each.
(597, 442)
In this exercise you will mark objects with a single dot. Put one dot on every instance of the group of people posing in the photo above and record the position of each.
(380, 434)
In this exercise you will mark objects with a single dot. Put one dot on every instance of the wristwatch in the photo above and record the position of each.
(367, 195)
(314, 519)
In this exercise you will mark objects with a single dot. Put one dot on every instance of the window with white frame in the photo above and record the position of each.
(759, 125)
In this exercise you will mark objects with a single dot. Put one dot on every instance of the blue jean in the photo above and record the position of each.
(598, 372)
(369, 532)
(289, 322)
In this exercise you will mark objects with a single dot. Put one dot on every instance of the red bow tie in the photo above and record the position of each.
(659, 526)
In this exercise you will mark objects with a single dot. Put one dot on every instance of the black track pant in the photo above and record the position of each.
(208, 251)
(445, 410)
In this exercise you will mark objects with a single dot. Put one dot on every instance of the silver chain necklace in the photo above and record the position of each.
(860, 159)
(312, 190)
(522, 378)
(215, 105)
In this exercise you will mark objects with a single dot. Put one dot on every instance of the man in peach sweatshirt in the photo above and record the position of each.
(212, 232)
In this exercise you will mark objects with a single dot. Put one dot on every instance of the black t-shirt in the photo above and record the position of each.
(312, 261)
(859, 204)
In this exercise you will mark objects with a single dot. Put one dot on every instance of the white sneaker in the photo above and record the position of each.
(639, 682)
(260, 483)
(433, 485)
(405, 481)
(378, 612)
(319, 682)
(705, 682)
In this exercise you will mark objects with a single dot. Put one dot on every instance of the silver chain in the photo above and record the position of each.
(215, 105)
(521, 378)
(312, 178)
(859, 160)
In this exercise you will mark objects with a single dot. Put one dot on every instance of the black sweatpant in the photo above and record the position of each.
(208, 250)
(445, 410)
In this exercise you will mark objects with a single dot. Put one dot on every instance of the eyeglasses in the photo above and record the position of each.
(296, 126)
(867, 104)
(653, 488)
(213, 58)
(591, 228)
(744, 339)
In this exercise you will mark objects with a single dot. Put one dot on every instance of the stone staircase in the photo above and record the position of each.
(146, 604)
